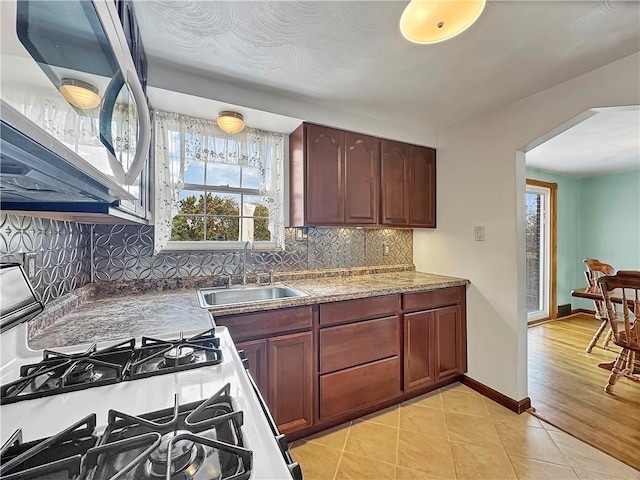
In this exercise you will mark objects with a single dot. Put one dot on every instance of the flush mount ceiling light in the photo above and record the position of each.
(433, 21)
(231, 122)
(79, 94)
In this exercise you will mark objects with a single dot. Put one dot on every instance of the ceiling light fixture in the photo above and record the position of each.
(434, 21)
(231, 122)
(79, 94)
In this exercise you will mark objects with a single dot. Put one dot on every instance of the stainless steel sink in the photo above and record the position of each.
(222, 297)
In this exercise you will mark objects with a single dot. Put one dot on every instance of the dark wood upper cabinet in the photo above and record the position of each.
(325, 175)
(394, 173)
(361, 185)
(334, 177)
(422, 198)
(340, 178)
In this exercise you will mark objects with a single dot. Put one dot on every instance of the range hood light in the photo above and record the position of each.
(231, 122)
(434, 21)
(80, 94)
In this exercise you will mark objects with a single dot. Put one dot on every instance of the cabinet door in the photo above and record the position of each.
(394, 174)
(419, 354)
(324, 176)
(256, 353)
(362, 164)
(422, 192)
(291, 381)
(449, 337)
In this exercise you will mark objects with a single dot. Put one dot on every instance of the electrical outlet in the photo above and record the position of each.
(302, 233)
(29, 264)
(385, 249)
(479, 233)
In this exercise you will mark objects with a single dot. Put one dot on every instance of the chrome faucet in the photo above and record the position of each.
(244, 260)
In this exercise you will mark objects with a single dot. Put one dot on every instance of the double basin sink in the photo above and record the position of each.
(242, 295)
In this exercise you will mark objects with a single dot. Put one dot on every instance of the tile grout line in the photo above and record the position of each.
(344, 445)
(513, 468)
(446, 425)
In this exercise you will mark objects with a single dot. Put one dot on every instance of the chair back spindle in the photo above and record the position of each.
(624, 320)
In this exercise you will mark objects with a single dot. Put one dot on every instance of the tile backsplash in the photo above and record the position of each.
(63, 252)
(64, 255)
(126, 253)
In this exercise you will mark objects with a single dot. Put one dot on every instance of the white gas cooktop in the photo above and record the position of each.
(44, 417)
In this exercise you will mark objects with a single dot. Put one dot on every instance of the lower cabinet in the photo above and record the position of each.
(256, 353)
(449, 355)
(353, 388)
(419, 354)
(359, 354)
(290, 387)
(283, 370)
(434, 346)
(328, 363)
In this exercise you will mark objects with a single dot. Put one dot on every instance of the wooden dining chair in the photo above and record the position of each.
(595, 270)
(624, 321)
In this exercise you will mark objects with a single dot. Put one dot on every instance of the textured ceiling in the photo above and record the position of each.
(607, 142)
(351, 55)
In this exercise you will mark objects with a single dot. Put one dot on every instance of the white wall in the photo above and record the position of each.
(481, 181)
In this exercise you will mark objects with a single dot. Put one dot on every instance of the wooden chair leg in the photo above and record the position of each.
(619, 367)
(607, 339)
(596, 336)
(633, 366)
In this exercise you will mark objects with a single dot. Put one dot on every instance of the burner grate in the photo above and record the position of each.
(156, 357)
(58, 457)
(196, 441)
(62, 372)
(201, 440)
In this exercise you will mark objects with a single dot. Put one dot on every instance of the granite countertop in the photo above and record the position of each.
(323, 290)
(118, 317)
(96, 313)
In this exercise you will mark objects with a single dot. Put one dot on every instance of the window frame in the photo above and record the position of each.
(223, 245)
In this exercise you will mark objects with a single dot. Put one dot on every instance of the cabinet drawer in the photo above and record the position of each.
(361, 308)
(356, 343)
(247, 326)
(357, 387)
(432, 299)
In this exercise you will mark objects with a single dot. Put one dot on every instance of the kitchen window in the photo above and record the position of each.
(215, 190)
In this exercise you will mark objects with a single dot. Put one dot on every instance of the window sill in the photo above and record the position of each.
(218, 247)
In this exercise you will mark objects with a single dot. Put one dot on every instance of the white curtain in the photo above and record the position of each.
(181, 140)
(77, 130)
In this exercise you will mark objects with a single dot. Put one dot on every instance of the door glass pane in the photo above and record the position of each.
(534, 210)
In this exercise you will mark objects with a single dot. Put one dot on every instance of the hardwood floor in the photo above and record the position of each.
(567, 388)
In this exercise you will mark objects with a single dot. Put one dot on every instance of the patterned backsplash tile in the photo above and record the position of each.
(125, 252)
(63, 252)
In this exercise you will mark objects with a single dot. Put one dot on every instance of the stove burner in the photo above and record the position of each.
(60, 372)
(195, 441)
(158, 356)
(183, 455)
(177, 356)
(83, 373)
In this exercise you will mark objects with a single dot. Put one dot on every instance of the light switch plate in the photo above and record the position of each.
(479, 233)
(385, 249)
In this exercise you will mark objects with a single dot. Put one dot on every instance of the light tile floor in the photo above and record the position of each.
(452, 433)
